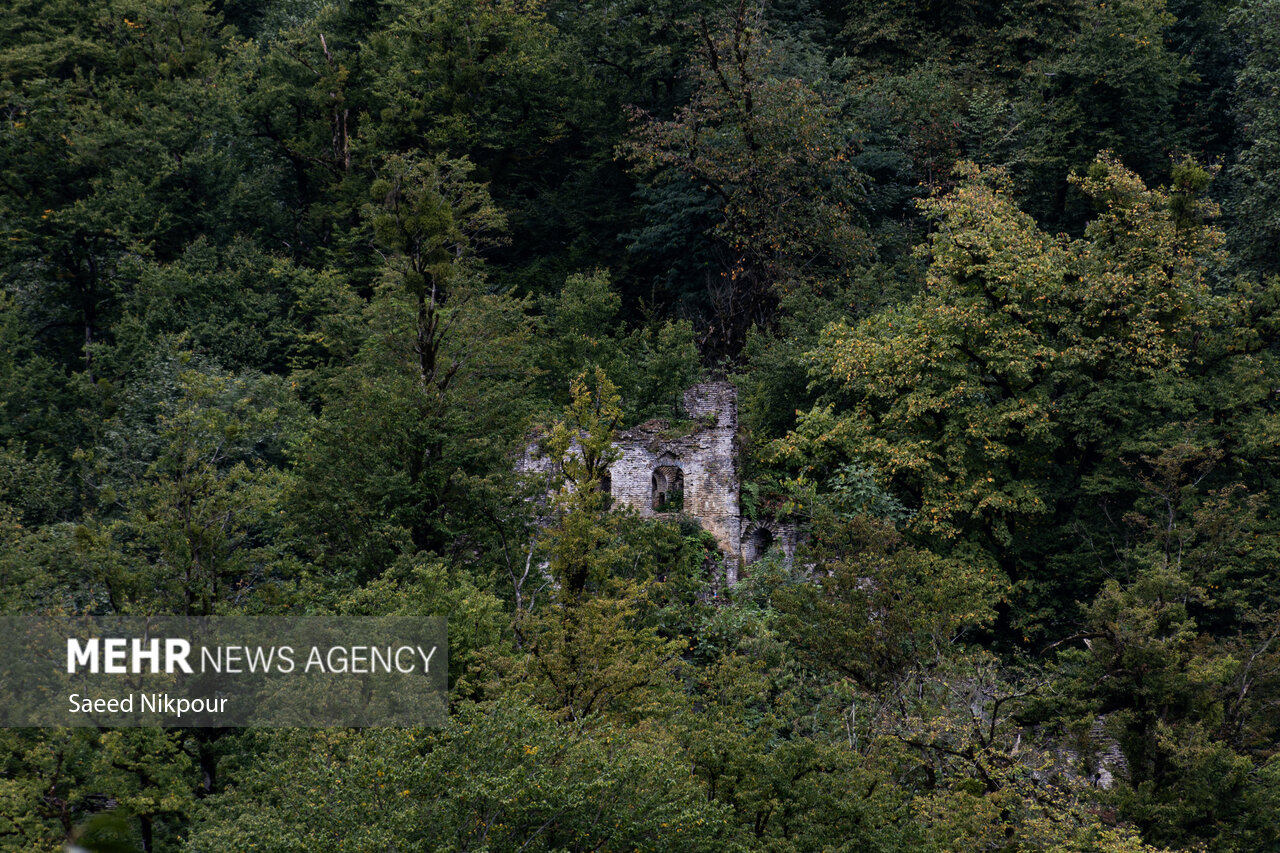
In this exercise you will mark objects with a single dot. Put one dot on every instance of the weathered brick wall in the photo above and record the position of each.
(763, 535)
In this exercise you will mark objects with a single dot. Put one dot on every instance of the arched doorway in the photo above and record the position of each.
(757, 544)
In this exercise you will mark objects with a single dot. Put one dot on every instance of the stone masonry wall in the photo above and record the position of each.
(705, 452)
(706, 456)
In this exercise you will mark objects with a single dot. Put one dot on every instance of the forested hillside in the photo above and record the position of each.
(289, 286)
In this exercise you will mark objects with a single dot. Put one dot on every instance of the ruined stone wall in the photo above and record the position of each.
(704, 449)
(763, 535)
(706, 455)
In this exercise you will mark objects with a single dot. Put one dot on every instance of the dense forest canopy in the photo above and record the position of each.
(289, 286)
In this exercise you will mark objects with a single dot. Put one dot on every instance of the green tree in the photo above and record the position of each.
(102, 159)
(188, 499)
(1114, 85)
(56, 781)
(237, 306)
(584, 533)
(430, 405)
(1180, 664)
(1254, 196)
(652, 365)
(879, 609)
(1011, 388)
(506, 776)
(771, 154)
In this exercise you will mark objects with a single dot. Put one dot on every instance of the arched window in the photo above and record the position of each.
(758, 543)
(668, 489)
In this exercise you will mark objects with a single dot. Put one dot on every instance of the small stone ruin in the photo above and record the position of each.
(690, 467)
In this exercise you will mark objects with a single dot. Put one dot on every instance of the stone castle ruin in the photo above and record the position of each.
(691, 468)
